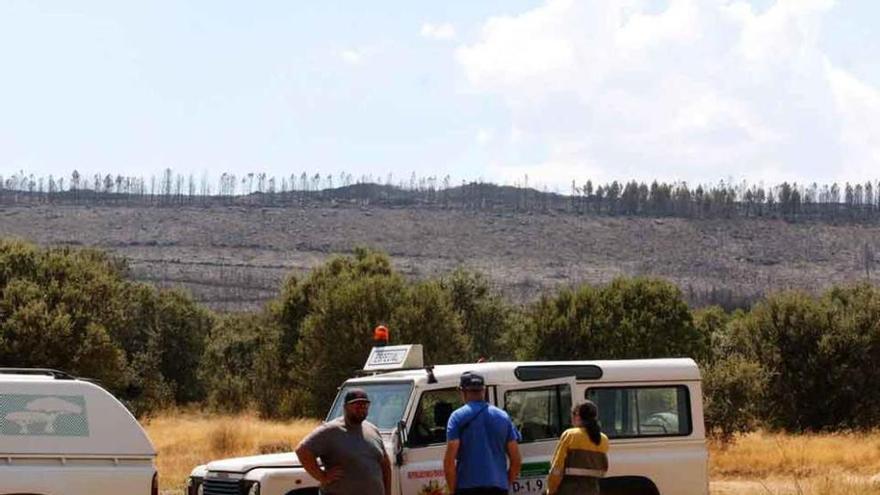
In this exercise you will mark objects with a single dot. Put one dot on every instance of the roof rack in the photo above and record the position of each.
(56, 374)
(362, 372)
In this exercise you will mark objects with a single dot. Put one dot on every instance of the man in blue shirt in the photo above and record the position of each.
(479, 439)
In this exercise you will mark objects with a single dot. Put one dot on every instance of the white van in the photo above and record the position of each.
(650, 409)
(60, 435)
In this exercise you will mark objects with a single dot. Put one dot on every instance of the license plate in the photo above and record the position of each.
(528, 486)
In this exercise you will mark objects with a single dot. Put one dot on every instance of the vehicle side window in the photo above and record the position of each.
(656, 411)
(432, 413)
(540, 413)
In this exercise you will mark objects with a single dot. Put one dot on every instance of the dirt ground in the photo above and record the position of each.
(839, 485)
(234, 258)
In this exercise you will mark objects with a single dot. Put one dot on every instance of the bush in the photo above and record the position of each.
(228, 366)
(561, 327)
(182, 327)
(784, 333)
(821, 355)
(733, 388)
(75, 310)
(711, 323)
(646, 318)
(325, 324)
(629, 318)
(794, 361)
(426, 315)
(336, 336)
(853, 352)
(484, 315)
(58, 309)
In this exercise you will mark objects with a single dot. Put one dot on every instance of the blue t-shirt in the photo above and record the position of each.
(482, 454)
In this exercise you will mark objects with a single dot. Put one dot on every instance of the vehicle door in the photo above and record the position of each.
(653, 434)
(541, 411)
(422, 470)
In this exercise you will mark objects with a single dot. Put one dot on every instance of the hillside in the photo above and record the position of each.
(235, 257)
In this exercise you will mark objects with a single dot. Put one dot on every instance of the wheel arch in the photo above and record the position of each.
(303, 491)
(627, 485)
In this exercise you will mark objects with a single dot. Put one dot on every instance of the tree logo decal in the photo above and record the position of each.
(43, 415)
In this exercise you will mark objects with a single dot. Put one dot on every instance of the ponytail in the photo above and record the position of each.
(589, 415)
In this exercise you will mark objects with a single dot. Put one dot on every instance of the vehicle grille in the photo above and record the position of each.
(222, 487)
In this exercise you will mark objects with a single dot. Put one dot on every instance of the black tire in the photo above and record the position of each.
(627, 485)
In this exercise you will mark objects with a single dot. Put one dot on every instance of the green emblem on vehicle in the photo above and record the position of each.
(534, 469)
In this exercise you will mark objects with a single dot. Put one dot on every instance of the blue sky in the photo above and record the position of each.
(555, 90)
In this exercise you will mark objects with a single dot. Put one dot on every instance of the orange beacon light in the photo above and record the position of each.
(380, 336)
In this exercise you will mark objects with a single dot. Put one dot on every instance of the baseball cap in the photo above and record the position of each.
(471, 381)
(356, 395)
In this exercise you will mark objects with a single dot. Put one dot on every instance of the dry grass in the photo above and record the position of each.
(825, 485)
(187, 439)
(777, 464)
(761, 455)
(757, 464)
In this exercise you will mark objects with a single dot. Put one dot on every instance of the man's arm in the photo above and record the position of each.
(449, 464)
(386, 473)
(515, 461)
(310, 464)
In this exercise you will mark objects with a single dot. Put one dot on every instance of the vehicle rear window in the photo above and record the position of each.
(651, 411)
(537, 372)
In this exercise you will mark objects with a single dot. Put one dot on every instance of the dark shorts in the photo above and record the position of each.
(481, 490)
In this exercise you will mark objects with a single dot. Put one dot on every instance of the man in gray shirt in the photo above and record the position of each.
(351, 450)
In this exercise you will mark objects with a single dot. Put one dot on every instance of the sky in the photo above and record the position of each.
(539, 91)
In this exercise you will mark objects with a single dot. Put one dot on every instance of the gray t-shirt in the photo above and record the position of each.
(358, 449)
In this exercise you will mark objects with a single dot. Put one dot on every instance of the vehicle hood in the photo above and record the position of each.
(244, 464)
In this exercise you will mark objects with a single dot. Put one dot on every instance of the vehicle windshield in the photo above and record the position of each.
(387, 402)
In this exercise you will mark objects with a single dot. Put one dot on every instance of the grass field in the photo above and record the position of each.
(757, 464)
(826, 464)
(185, 440)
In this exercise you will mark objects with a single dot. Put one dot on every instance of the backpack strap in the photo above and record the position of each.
(470, 420)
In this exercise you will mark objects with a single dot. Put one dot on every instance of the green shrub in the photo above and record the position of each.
(75, 310)
(629, 318)
(821, 355)
(733, 388)
(484, 315)
(228, 365)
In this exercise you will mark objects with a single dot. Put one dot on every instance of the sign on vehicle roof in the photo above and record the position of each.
(395, 357)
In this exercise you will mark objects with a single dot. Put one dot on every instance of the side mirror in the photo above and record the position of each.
(400, 441)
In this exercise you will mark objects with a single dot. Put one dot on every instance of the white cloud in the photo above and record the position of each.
(858, 106)
(352, 56)
(484, 136)
(701, 91)
(444, 31)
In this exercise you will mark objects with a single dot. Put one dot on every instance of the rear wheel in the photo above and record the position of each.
(627, 485)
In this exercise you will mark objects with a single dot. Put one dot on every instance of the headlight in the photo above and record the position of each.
(251, 487)
(194, 485)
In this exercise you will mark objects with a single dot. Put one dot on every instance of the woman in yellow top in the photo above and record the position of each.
(581, 456)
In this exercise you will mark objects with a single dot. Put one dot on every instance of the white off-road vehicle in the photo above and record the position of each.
(64, 436)
(650, 409)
